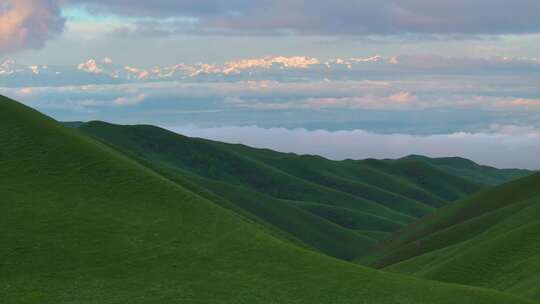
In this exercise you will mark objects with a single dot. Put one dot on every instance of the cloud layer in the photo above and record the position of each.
(502, 146)
(28, 23)
(350, 17)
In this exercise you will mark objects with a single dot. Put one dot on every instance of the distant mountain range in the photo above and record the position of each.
(293, 68)
(105, 70)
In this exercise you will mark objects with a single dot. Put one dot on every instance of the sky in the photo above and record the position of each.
(341, 78)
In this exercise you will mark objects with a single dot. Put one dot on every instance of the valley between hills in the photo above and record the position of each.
(102, 213)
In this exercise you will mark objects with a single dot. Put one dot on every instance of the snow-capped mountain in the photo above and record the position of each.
(105, 70)
(183, 71)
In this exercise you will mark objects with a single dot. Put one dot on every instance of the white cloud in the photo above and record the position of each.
(90, 66)
(402, 98)
(526, 102)
(24, 92)
(130, 100)
(439, 93)
(358, 100)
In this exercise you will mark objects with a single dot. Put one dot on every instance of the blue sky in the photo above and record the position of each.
(374, 78)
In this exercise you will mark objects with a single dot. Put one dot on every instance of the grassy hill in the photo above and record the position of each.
(339, 208)
(470, 170)
(491, 239)
(82, 223)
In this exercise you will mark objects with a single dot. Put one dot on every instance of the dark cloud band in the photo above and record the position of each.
(348, 17)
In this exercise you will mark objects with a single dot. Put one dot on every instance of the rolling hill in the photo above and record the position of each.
(491, 239)
(82, 223)
(340, 208)
(470, 170)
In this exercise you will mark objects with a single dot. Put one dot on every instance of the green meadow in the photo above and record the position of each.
(102, 213)
(490, 239)
(340, 208)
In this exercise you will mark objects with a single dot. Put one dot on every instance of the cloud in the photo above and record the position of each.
(25, 92)
(402, 98)
(322, 17)
(502, 146)
(28, 23)
(526, 102)
(399, 100)
(90, 66)
(130, 100)
(438, 92)
(424, 105)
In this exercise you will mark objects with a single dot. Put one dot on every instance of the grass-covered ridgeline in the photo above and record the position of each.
(340, 208)
(82, 223)
(470, 170)
(491, 239)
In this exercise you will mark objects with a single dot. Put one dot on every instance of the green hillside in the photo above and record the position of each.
(340, 208)
(81, 223)
(447, 186)
(491, 239)
(470, 170)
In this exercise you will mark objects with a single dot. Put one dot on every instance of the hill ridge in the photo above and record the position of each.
(98, 227)
(281, 176)
(473, 236)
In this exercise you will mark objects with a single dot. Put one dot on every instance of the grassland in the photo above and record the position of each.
(491, 239)
(82, 223)
(340, 208)
(470, 170)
